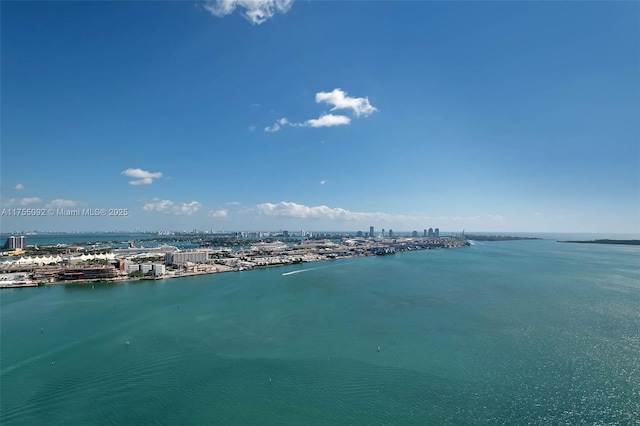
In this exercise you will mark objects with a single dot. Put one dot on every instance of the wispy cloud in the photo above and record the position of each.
(60, 203)
(255, 11)
(218, 213)
(233, 203)
(30, 200)
(322, 182)
(169, 207)
(19, 187)
(143, 177)
(339, 99)
(299, 211)
(21, 201)
(294, 210)
(276, 126)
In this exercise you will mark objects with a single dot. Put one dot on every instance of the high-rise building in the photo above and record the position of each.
(436, 232)
(390, 233)
(382, 232)
(430, 233)
(359, 234)
(424, 233)
(13, 243)
(371, 231)
(414, 234)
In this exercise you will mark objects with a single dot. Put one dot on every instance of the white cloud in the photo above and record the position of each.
(59, 203)
(30, 200)
(186, 208)
(162, 206)
(169, 207)
(322, 182)
(143, 181)
(252, 128)
(339, 99)
(22, 201)
(143, 177)
(218, 213)
(294, 210)
(328, 120)
(255, 11)
(233, 203)
(19, 187)
(281, 122)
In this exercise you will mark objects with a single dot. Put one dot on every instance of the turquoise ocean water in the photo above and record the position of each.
(519, 332)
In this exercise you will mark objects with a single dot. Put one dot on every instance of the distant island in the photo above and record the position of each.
(496, 238)
(623, 242)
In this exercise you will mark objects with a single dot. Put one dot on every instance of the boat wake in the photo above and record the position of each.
(284, 274)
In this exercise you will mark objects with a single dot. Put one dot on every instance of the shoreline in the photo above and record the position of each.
(220, 268)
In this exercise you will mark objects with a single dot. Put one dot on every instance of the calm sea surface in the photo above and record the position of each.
(520, 332)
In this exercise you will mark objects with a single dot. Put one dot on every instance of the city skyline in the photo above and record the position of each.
(491, 117)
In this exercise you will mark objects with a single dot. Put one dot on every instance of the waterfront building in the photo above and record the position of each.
(359, 234)
(158, 269)
(155, 269)
(14, 243)
(91, 273)
(11, 243)
(180, 258)
(414, 234)
(145, 267)
(430, 232)
(382, 232)
(371, 231)
(424, 234)
(436, 232)
(390, 233)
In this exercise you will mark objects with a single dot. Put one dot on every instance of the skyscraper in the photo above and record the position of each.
(371, 231)
(436, 232)
(11, 243)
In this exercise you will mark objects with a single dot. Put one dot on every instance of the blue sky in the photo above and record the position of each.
(484, 116)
